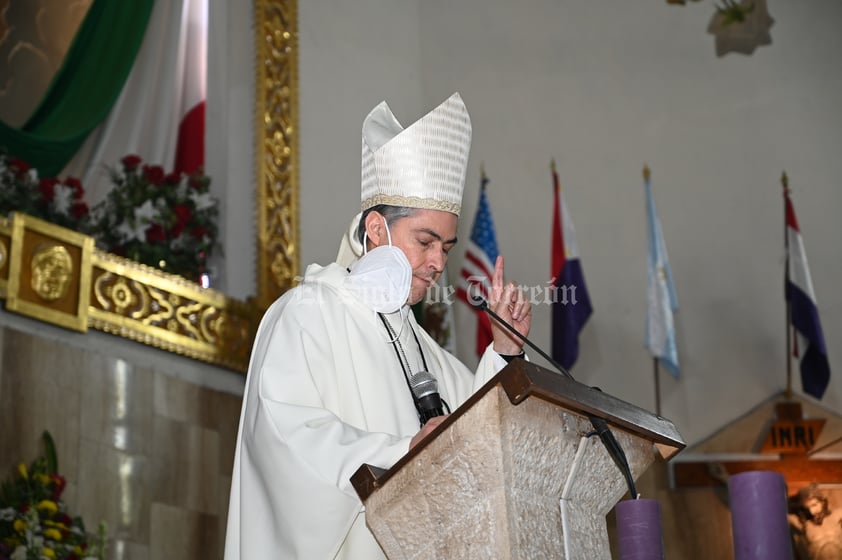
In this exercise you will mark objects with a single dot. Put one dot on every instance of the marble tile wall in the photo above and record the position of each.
(146, 452)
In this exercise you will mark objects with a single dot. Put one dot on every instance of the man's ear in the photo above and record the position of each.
(375, 228)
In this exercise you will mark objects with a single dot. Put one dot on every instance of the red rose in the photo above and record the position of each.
(183, 213)
(76, 185)
(173, 178)
(59, 483)
(47, 187)
(155, 233)
(130, 162)
(18, 166)
(79, 209)
(154, 174)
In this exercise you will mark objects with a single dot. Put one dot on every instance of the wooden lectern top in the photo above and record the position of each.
(522, 380)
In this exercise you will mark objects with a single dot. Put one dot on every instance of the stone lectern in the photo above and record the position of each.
(513, 473)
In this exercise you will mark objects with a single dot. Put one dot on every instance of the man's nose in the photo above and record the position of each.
(437, 260)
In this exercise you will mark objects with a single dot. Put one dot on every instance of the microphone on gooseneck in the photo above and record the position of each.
(600, 425)
(425, 389)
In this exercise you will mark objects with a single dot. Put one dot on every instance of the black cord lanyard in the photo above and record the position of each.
(404, 361)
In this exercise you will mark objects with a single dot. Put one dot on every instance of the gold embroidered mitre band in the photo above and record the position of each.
(422, 166)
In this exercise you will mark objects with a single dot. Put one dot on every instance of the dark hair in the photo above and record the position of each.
(391, 213)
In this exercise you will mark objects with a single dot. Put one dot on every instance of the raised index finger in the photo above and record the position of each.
(497, 280)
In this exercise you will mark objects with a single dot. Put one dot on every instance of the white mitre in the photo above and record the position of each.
(422, 166)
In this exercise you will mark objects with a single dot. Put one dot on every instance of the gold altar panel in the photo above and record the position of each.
(169, 312)
(49, 272)
(55, 275)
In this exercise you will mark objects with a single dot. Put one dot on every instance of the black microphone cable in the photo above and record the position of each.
(599, 424)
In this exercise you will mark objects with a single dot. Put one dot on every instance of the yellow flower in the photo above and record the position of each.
(49, 552)
(42, 478)
(47, 505)
(19, 525)
(53, 534)
(22, 470)
(56, 524)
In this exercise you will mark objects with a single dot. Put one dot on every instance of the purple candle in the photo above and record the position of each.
(639, 535)
(758, 516)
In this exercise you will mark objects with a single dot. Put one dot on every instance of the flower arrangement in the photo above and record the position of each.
(34, 523)
(165, 220)
(59, 202)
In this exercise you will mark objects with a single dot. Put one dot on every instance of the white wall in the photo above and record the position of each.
(604, 87)
(353, 56)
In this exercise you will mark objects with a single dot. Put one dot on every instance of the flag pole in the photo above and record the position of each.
(788, 394)
(656, 371)
(657, 386)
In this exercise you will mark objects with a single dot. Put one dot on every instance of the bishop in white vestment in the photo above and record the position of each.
(328, 383)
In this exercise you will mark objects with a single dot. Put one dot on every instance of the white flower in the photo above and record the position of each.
(63, 199)
(203, 201)
(178, 243)
(33, 174)
(181, 190)
(7, 514)
(131, 233)
(19, 553)
(145, 213)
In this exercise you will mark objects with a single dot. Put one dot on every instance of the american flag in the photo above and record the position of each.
(478, 267)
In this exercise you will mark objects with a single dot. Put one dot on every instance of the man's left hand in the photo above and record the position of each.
(509, 302)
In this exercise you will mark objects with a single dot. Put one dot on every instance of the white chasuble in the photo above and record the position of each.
(326, 393)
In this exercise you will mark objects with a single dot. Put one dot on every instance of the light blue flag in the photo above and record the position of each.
(661, 299)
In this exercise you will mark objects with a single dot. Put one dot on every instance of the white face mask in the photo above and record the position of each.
(381, 278)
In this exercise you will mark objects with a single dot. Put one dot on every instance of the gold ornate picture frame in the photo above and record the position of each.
(49, 272)
(276, 127)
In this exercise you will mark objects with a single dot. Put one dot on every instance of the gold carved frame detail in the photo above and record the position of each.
(276, 147)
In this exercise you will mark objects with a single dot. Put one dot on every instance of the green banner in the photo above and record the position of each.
(84, 89)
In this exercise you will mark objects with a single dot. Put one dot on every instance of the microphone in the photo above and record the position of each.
(425, 390)
(600, 425)
(480, 303)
